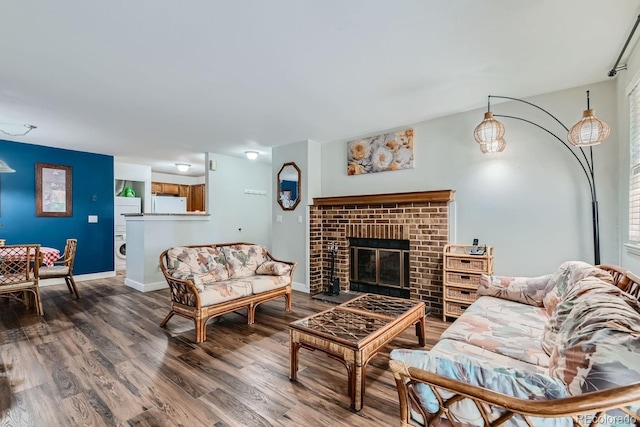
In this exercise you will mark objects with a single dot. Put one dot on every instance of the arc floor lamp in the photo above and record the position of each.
(589, 131)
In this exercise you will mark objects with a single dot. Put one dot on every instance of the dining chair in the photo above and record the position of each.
(19, 268)
(63, 268)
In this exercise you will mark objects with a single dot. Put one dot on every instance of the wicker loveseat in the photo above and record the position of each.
(557, 350)
(207, 281)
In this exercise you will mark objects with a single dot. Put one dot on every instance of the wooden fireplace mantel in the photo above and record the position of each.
(366, 199)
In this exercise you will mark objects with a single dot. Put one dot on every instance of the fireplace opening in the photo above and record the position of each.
(379, 266)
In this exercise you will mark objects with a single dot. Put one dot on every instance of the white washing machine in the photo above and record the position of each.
(123, 205)
(121, 251)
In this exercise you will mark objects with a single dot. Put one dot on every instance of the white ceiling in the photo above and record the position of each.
(162, 81)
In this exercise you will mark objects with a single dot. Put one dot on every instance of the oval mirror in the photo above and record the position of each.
(288, 182)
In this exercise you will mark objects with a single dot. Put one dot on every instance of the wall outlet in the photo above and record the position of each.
(299, 219)
(278, 218)
(93, 219)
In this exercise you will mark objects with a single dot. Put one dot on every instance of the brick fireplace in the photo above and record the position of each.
(422, 218)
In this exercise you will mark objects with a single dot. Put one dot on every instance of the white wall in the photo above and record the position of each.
(531, 202)
(235, 215)
(291, 236)
(177, 179)
(629, 259)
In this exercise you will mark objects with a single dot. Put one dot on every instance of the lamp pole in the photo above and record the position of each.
(586, 163)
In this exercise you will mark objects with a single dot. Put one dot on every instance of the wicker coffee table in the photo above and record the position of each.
(354, 332)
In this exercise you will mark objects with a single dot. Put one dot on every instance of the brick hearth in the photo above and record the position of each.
(420, 217)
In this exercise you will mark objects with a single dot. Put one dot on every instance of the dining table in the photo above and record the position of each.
(49, 255)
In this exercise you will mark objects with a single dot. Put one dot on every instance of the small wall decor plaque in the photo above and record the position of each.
(386, 152)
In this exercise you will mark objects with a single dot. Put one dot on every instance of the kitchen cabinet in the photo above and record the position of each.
(156, 187)
(461, 277)
(167, 188)
(197, 199)
(184, 191)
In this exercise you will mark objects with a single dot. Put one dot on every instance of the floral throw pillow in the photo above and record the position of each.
(201, 265)
(568, 274)
(243, 260)
(527, 290)
(274, 268)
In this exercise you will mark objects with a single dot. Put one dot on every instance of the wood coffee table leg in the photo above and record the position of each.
(350, 379)
(359, 376)
(294, 351)
(421, 331)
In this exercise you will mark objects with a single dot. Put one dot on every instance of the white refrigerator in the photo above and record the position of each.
(168, 204)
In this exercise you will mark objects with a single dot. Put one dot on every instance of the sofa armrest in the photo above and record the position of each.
(577, 410)
(293, 264)
(623, 279)
(183, 291)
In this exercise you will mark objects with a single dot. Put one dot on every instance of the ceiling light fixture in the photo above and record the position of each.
(251, 155)
(587, 132)
(4, 167)
(29, 129)
(183, 167)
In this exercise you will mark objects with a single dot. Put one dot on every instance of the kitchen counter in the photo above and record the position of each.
(167, 214)
(148, 234)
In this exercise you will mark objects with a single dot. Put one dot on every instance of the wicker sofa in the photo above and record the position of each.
(207, 281)
(557, 350)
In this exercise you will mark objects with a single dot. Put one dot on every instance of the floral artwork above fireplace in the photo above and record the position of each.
(386, 152)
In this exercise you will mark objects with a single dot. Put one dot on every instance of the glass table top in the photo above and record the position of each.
(347, 325)
(358, 318)
(381, 305)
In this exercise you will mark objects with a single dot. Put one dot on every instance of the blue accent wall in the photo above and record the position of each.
(93, 194)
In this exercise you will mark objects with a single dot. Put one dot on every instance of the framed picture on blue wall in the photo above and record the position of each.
(53, 190)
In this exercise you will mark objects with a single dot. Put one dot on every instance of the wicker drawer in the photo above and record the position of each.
(461, 279)
(461, 294)
(455, 309)
(467, 264)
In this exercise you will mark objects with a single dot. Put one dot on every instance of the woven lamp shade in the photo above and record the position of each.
(489, 130)
(588, 131)
(493, 147)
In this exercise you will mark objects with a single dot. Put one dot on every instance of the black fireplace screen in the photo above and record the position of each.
(379, 266)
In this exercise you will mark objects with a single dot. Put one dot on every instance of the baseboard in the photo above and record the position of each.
(145, 287)
(300, 287)
(77, 278)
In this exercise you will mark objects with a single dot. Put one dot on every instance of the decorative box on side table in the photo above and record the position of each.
(461, 276)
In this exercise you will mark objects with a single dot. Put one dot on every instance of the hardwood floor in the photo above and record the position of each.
(104, 361)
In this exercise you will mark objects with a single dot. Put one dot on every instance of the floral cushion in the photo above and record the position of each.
(263, 283)
(489, 323)
(201, 265)
(274, 268)
(453, 348)
(598, 344)
(226, 290)
(243, 260)
(527, 290)
(509, 381)
(568, 274)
